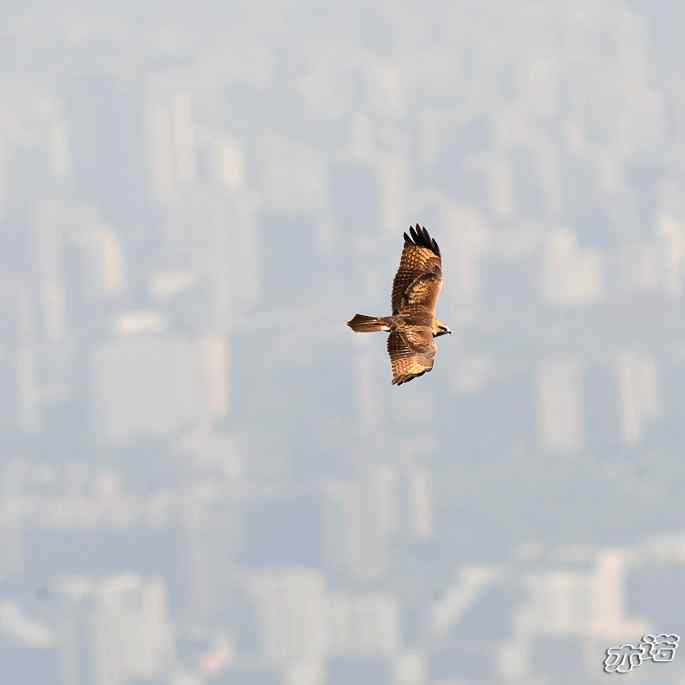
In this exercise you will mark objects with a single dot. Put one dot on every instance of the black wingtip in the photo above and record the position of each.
(420, 236)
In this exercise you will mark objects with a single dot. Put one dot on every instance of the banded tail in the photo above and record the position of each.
(361, 323)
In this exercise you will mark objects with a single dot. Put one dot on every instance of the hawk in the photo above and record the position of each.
(413, 325)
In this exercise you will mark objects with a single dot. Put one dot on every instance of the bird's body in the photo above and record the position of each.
(412, 325)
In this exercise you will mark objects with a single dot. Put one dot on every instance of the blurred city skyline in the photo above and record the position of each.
(205, 477)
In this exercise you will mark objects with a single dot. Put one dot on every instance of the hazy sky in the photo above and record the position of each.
(193, 201)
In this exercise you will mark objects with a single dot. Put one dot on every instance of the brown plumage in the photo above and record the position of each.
(413, 325)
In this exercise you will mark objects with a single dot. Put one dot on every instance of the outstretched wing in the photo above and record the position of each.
(411, 354)
(418, 280)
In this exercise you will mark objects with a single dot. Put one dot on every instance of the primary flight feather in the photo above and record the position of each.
(413, 325)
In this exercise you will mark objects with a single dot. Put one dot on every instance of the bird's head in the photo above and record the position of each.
(439, 328)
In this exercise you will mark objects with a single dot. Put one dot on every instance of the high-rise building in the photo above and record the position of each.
(571, 275)
(106, 133)
(291, 606)
(114, 629)
(638, 389)
(560, 405)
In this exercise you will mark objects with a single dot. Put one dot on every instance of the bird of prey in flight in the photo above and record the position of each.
(413, 325)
